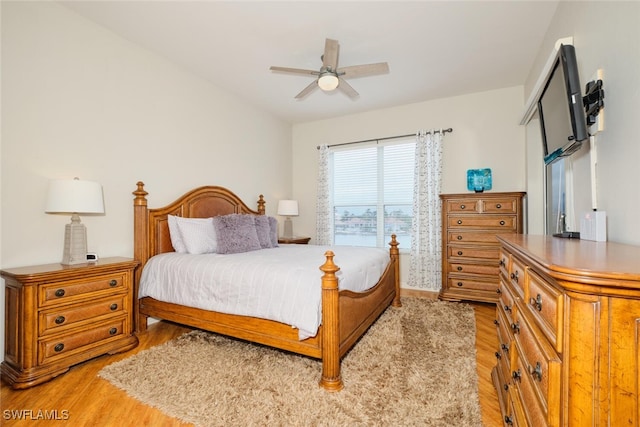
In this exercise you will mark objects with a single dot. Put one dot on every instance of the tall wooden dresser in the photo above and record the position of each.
(568, 324)
(469, 245)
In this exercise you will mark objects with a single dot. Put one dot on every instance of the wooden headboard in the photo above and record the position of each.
(151, 228)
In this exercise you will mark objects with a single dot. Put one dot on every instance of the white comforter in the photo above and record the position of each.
(281, 284)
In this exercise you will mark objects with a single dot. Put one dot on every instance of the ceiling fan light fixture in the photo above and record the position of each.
(328, 81)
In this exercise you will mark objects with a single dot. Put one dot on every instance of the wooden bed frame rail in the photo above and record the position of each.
(346, 315)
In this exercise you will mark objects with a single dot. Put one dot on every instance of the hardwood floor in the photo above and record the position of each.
(80, 398)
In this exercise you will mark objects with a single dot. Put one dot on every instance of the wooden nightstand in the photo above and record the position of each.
(294, 240)
(57, 316)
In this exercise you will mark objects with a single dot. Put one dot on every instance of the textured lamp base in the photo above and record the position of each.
(288, 228)
(75, 242)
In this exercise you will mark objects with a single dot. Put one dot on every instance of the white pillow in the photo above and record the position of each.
(174, 233)
(197, 235)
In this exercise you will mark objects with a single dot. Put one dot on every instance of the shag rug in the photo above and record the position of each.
(415, 366)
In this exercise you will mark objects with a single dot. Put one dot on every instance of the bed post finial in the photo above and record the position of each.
(331, 379)
(261, 204)
(140, 194)
(394, 253)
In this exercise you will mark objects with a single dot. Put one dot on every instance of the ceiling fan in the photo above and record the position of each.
(330, 76)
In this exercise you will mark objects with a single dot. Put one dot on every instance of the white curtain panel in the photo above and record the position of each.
(324, 231)
(425, 268)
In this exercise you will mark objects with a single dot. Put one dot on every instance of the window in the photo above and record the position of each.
(372, 193)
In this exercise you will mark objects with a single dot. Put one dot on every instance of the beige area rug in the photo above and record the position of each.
(415, 366)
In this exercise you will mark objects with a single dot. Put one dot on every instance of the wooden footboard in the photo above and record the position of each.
(345, 315)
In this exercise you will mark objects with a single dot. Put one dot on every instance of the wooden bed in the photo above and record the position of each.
(346, 315)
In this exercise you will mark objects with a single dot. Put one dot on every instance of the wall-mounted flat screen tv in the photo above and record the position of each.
(560, 108)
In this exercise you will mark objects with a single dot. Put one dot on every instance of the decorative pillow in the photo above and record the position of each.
(273, 228)
(174, 233)
(197, 234)
(263, 230)
(236, 233)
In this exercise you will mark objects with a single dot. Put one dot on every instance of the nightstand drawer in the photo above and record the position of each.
(59, 319)
(66, 345)
(62, 292)
(502, 223)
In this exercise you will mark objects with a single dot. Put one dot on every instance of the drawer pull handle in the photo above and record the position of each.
(60, 292)
(498, 355)
(505, 348)
(506, 387)
(502, 222)
(537, 303)
(459, 253)
(58, 348)
(459, 222)
(516, 375)
(515, 327)
(113, 331)
(459, 268)
(503, 263)
(514, 277)
(536, 372)
(459, 283)
(508, 420)
(60, 320)
(113, 307)
(462, 206)
(459, 237)
(498, 291)
(498, 206)
(495, 322)
(507, 308)
(113, 283)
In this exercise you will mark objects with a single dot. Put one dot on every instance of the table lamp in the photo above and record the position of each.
(74, 196)
(288, 208)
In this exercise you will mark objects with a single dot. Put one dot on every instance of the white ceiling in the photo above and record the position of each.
(435, 49)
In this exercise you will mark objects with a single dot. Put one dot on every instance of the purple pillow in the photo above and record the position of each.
(273, 227)
(236, 233)
(263, 230)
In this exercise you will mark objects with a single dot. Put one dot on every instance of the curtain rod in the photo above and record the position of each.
(386, 138)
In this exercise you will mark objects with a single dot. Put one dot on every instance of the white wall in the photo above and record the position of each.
(78, 100)
(486, 134)
(606, 36)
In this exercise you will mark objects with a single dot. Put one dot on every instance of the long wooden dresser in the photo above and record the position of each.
(469, 245)
(568, 324)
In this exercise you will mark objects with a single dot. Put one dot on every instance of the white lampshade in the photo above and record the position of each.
(328, 81)
(74, 196)
(288, 207)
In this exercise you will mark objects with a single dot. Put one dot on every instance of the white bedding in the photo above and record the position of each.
(281, 284)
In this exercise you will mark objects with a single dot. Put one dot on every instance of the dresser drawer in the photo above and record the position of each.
(61, 346)
(482, 252)
(471, 283)
(499, 223)
(462, 206)
(508, 205)
(545, 304)
(504, 261)
(471, 237)
(490, 270)
(507, 301)
(517, 277)
(59, 319)
(88, 287)
(539, 362)
(534, 410)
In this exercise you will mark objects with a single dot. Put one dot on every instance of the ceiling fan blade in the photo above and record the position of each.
(307, 90)
(295, 70)
(330, 56)
(346, 88)
(364, 70)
